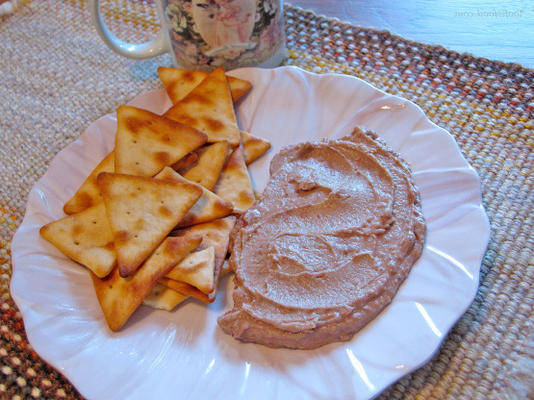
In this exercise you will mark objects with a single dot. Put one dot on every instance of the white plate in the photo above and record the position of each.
(184, 354)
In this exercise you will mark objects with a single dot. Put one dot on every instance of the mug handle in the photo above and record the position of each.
(155, 47)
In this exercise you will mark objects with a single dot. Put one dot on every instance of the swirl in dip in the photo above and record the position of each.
(336, 232)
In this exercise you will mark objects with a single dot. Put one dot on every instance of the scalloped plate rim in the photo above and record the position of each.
(22, 302)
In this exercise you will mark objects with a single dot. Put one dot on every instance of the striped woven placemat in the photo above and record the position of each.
(57, 76)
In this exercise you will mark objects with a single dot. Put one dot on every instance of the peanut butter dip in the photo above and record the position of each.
(336, 232)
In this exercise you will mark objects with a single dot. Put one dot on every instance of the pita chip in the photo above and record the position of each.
(119, 297)
(185, 289)
(197, 269)
(209, 108)
(163, 298)
(253, 147)
(210, 163)
(141, 212)
(235, 185)
(208, 207)
(146, 142)
(179, 82)
(84, 237)
(238, 87)
(89, 194)
(215, 234)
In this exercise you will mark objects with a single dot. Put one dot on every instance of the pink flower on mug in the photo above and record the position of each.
(236, 21)
(202, 59)
(177, 37)
(187, 6)
(237, 13)
(266, 36)
(190, 50)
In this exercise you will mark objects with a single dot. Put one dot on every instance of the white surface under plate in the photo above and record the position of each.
(183, 354)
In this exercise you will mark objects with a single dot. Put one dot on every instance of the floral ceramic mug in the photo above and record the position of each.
(206, 34)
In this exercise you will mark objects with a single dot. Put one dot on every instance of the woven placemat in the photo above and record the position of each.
(57, 77)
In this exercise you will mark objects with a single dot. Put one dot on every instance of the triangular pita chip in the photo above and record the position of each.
(146, 142)
(141, 212)
(163, 298)
(186, 289)
(85, 237)
(208, 207)
(179, 82)
(197, 269)
(207, 170)
(235, 185)
(187, 161)
(209, 108)
(89, 194)
(119, 297)
(253, 147)
(214, 234)
(238, 87)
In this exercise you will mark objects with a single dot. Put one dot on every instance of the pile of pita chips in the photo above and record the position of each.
(208, 207)
(141, 212)
(209, 108)
(152, 221)
(189, 92)
(120, 297)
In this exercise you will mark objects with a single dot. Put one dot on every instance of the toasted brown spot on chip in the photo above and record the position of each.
(221, 206)
(198, 98)
(186, 120)
(245, 195)
(76, 229)
(122, 236)
(171, 247)
(188, 76)
(133, 124)
(164, 210)
(163, 157)
(214, 124)
(84, 200)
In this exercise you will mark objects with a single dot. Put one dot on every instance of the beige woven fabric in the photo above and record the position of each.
(57, 77)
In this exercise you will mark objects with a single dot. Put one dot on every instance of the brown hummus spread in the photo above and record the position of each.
(336, 232)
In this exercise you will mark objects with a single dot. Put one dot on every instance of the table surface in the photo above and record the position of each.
(491, 29)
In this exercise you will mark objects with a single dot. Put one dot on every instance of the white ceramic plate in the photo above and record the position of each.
(184, 354)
